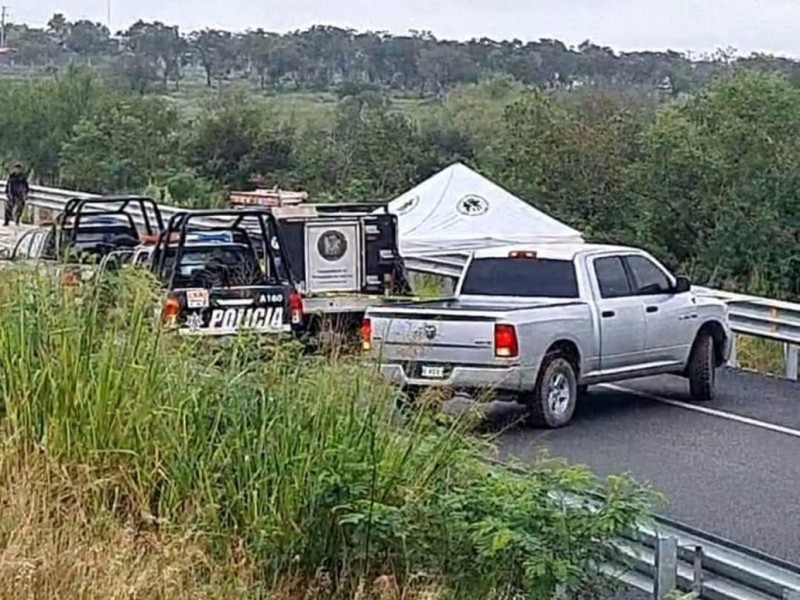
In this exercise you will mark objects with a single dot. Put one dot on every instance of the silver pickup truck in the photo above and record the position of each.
(541, 323)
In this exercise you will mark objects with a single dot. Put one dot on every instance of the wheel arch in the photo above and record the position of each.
(569, 349)
(720, 337)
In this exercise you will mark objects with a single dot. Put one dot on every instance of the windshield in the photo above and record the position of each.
(531, 277)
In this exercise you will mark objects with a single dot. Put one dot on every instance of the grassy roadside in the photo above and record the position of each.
(135, 464)
(760, 355)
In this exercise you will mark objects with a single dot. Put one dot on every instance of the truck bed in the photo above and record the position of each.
(445, 305)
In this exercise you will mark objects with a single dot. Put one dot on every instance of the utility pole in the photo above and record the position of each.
(3, 10)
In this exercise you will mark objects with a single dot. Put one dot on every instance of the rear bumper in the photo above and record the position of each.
(511, 378)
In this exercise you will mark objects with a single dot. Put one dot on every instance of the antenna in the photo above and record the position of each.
(108, 15)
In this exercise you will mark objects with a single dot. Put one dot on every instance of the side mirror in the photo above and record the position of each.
(682, 285)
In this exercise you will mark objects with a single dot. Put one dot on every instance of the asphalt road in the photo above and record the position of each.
(735, 479)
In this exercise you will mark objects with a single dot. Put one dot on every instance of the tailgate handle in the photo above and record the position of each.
(607, 313)
(652, 309)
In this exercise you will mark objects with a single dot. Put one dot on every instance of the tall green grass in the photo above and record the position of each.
(300, 460)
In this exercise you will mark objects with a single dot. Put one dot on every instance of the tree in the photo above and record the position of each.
(121, 146)
(157, 49)
(87, 39)
(38, 118)
(235, 141)
(724, 163)
(215, 52)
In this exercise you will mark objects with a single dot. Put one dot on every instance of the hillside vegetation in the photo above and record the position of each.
(709, 182)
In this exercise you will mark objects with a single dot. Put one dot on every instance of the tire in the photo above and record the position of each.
(701, 370)
(553, 401)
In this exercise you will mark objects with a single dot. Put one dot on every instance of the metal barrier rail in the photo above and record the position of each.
(663, 556)
(666, 556)
(749, 315)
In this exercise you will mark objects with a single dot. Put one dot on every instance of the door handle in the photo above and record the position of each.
(652, 309)
(607, 313)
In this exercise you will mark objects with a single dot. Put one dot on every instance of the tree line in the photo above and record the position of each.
(152, 56)
(709, 183)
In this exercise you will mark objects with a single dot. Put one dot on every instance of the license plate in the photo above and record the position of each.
(432, 372)
(197, 298)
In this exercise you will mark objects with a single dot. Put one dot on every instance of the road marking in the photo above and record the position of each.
(706, 411)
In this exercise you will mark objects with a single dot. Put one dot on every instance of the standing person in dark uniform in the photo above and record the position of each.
(16, 194)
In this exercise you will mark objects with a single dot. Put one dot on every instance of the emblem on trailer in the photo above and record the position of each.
(472, 206)
(407, 206)
(332, 245)
(430, 331)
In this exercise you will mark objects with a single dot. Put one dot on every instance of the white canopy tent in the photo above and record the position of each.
(458, 210)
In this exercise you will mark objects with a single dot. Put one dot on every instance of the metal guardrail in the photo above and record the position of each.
(668, 556)
(664, 556)
(749, 315)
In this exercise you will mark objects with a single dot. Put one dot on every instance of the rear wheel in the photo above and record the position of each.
(701, 369)
(555, 396)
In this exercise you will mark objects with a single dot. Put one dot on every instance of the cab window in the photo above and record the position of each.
(647, 277)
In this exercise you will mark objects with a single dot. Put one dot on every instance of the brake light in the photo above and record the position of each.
(296, 308)
(70, 279)
(505, 341)
(522, 254)
(172, 309)
(366, 334)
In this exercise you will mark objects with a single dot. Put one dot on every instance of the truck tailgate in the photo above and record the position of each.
(463, 337)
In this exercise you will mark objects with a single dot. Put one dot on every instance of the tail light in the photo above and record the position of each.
(522, 254)
(70, 278)
(296, 308)
(366, 334)
(172, 307)
(505, 341)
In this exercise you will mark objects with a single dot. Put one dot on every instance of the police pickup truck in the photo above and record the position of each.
(85, 232)
(540, 323)
(221, 279)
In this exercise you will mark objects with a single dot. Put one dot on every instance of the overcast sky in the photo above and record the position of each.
(697, 25)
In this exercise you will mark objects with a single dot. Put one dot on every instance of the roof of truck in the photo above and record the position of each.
(554, 251)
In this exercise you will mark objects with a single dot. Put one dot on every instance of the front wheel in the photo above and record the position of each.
(701, 370)
(555, 396)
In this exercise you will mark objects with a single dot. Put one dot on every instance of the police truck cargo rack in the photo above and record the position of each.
(87, 231)
(216, 284)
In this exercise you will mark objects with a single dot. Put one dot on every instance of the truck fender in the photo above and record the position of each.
(714, 327)
(569, 344)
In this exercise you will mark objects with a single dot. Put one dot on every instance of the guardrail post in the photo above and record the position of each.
(792, 355)
(733, 362)
(666, 580)
(697, 575)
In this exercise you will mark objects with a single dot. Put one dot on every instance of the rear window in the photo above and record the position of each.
(521, 277)
(235, 265)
